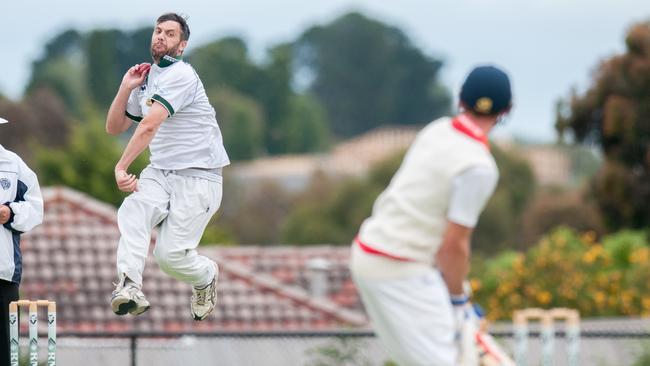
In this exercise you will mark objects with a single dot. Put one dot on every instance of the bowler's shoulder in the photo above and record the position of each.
(183, 68)
(180, 73)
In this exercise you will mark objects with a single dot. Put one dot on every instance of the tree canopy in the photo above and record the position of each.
(367, 73)
(364, 74)
(331, 212)
(613, 114)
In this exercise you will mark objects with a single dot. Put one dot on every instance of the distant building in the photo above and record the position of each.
(353, 157)
(560, 165)
(551, 165)
(356, 156)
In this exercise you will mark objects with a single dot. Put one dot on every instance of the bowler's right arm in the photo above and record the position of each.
(118, 120)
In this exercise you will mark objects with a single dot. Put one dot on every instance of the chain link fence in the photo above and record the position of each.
(612, 342)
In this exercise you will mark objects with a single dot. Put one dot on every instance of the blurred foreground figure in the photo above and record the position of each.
(411, 256)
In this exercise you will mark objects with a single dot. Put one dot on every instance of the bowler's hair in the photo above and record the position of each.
(185, 29)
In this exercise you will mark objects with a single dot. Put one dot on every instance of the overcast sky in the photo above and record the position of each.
(547, 46)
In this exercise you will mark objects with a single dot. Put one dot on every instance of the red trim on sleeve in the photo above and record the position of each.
(373, 251)
(466, 126)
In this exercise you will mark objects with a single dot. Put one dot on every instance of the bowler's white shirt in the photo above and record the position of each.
(190, 137)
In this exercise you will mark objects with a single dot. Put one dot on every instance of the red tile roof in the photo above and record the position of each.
(70, 258)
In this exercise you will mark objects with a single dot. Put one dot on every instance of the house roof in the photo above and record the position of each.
(70, 258)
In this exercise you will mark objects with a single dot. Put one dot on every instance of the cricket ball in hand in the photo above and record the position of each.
(143, 69)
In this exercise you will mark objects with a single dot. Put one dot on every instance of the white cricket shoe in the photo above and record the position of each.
(128, 298)
(204, 298)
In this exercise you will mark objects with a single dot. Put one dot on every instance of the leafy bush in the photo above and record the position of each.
(567, 269)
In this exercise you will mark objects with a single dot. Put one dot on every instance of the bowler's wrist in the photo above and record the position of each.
(126, 89)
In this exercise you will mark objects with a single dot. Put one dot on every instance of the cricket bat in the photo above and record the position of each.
(478, 347)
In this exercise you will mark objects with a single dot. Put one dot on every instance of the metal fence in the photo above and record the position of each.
(603, 345)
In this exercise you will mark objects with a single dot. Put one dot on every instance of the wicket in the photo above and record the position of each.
(547, 318)
(14, 325)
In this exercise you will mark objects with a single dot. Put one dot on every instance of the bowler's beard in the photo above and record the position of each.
(157, 56)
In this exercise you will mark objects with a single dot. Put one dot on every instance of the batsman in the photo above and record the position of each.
(411, 256)
(181, 188)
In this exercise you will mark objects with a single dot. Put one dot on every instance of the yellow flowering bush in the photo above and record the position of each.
(568, 269)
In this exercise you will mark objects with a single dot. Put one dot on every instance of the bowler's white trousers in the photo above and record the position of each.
(409, 307)
(182, 202)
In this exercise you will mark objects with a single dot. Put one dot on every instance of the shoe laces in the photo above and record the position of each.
(119, 284)
(202, 294)
(133, 290)
(130, 287)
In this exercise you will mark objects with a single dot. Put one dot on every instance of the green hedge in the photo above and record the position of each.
(567, 269)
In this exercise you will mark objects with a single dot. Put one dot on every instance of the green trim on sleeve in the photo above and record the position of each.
(134, 118)
(165, 104)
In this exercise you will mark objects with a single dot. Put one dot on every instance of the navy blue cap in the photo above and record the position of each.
(486, 91)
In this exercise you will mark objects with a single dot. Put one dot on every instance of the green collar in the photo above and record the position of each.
(168, 61)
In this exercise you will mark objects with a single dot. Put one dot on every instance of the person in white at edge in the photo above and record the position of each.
(181, 189)
(411, 257)
(21, 209)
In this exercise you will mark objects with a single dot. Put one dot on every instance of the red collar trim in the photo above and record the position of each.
(466, 126)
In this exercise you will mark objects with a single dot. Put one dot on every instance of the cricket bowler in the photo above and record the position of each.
(181, 188)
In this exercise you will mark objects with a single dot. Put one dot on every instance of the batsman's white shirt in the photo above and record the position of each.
(448, 174)
(410, 216)
(190, 137)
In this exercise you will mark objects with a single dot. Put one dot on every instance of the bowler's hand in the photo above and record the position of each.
(134, 77)
(5, 214)
(126, 182)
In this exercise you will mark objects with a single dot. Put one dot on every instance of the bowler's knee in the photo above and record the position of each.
(168, 260)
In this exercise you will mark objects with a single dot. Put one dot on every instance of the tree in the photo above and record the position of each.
(16, 135)
(275, 93)
(109, 53)
(331, 212)
(87, 163)
(254, 214)
(85, 68)
(241, 122)
(612, 113)
(61, 69)
(554, 208)
(499, 226)
(51, 125)
(226, 63)
(306, 126)
(40, 119)
(366, 74)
